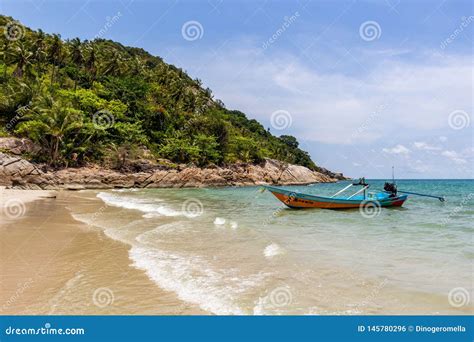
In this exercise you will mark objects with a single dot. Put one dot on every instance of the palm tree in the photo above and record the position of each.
(76, 57)
(90, 63)
(137, 67)
(23, 59)
(38, 50)
(76, 52)
(54, 125)
(55, 54)
(114, 66)
(6, 53)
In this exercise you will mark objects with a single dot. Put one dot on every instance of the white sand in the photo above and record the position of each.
(11, 197)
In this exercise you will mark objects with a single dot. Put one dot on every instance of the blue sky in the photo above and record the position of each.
(363, 85)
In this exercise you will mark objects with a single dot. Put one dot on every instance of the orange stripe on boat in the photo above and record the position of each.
(303, 203)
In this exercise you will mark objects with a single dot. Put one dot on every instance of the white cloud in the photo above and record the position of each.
(421, 145)
(399, 149)
(385, 97)
(420, 167)
(389, 52)
(370, 100)
(454, 156)
(468, 152)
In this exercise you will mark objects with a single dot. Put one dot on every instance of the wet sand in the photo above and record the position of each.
(53, 264)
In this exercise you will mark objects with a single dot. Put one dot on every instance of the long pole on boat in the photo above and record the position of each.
(442, 199)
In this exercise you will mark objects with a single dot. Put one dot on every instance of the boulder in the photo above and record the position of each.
(15, 171)
(18, 146)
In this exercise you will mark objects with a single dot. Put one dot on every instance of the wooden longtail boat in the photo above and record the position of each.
(361, 198)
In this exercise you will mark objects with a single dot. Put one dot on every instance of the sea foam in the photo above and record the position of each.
(194, 279)
(219, 221)
(273, 250)
(143, 205)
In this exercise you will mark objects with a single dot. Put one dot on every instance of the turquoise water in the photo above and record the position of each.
(240, 251)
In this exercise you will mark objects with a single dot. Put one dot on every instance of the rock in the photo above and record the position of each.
(74, 187)
(18, 146)
(19, 173)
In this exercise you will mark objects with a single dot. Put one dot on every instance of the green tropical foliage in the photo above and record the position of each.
(91, 101)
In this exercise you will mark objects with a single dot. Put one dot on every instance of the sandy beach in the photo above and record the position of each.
(53, 264)
(186, 252)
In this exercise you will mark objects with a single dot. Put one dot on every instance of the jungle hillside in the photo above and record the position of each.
(104, 103)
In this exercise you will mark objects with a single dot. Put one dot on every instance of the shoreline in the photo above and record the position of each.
(52, 263)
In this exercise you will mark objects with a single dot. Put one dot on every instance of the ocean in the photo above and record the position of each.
(238, 250)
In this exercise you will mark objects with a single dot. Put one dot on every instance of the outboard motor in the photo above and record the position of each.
(361, 181)
(391, 188)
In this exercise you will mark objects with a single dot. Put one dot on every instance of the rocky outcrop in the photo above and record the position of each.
(16, 172)
(18, 146)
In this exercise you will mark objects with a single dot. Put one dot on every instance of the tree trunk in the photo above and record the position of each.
(55, 149)
(52, 74)
(18, 72)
